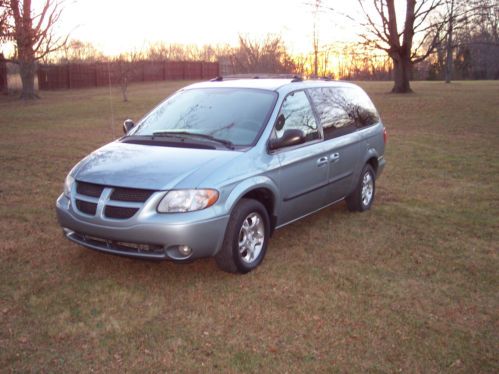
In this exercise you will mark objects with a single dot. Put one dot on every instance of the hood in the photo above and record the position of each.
(150, 167)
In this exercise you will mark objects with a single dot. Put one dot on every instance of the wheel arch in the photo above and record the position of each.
(262, 189)
(372, 159)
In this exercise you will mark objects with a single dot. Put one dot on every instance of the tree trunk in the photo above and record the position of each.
(402, 74)
(27, 71)
(448, 60)
(125, 69)
(4, 89)
(124, 88)
(316, 64)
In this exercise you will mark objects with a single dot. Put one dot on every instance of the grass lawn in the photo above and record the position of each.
(411, 285)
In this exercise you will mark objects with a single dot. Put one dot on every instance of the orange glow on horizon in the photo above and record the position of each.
(117, 26)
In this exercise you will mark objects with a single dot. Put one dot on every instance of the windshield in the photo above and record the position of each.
(235, 115)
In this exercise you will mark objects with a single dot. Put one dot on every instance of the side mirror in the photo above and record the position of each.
(289, 138)
(128, 125)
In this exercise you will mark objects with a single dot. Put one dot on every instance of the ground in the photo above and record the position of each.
(410, 286)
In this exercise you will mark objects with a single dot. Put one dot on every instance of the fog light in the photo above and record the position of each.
(184, 250)
(67, 231)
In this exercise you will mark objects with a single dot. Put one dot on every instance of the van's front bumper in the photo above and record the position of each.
(149, 235)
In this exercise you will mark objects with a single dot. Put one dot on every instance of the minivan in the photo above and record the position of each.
(216, 167)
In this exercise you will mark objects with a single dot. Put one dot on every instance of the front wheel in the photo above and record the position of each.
(246, 238)
(362, 197)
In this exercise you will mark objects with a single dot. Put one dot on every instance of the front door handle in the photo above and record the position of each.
(334, 157)
(322, 161)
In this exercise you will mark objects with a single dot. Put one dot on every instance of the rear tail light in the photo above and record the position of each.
(385, 135)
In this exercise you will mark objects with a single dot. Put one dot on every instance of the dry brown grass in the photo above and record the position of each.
(409, 286)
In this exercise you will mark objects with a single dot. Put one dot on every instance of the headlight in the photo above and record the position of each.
(187, 200)
(68, 184)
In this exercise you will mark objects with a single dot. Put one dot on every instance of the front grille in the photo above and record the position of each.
(89, 195)
(118, 212)
(89, 189)
(131, 194)
(86, 207)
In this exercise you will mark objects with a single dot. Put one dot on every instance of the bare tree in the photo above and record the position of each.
(3, 35)
(317, 5)
(477, 41)
(128, 66)
(470, 42)
(455, 13)
(78, 51)
(4, 15)
(383, 33)
(449, 46)
(267, 56)
(33, 34)
(4, 27)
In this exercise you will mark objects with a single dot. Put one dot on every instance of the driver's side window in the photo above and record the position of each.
(296, 114)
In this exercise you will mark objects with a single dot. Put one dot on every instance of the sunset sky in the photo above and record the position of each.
(114, 26)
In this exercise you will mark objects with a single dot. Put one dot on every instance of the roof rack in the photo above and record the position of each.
(293, 77)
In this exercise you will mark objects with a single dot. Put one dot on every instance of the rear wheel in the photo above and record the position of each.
(362, 197)
(246, 238)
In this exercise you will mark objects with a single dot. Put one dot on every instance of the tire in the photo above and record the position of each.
(362, 197)
(246, 238)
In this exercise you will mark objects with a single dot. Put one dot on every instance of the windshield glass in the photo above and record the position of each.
(233, 114)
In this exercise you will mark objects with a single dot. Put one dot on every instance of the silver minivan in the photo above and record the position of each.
(215, 168)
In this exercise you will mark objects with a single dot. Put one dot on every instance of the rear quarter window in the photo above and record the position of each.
(342, 110)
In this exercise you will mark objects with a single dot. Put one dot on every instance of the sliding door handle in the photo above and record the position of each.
(334, 157)
(322, 161)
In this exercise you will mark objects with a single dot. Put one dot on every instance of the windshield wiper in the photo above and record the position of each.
(183, 134)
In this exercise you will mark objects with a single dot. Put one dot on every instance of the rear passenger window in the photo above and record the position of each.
(297, 113)
(343, 109)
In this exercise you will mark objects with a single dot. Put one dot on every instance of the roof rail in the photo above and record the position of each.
(294, 78)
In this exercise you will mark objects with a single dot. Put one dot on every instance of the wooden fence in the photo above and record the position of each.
(53, 77)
